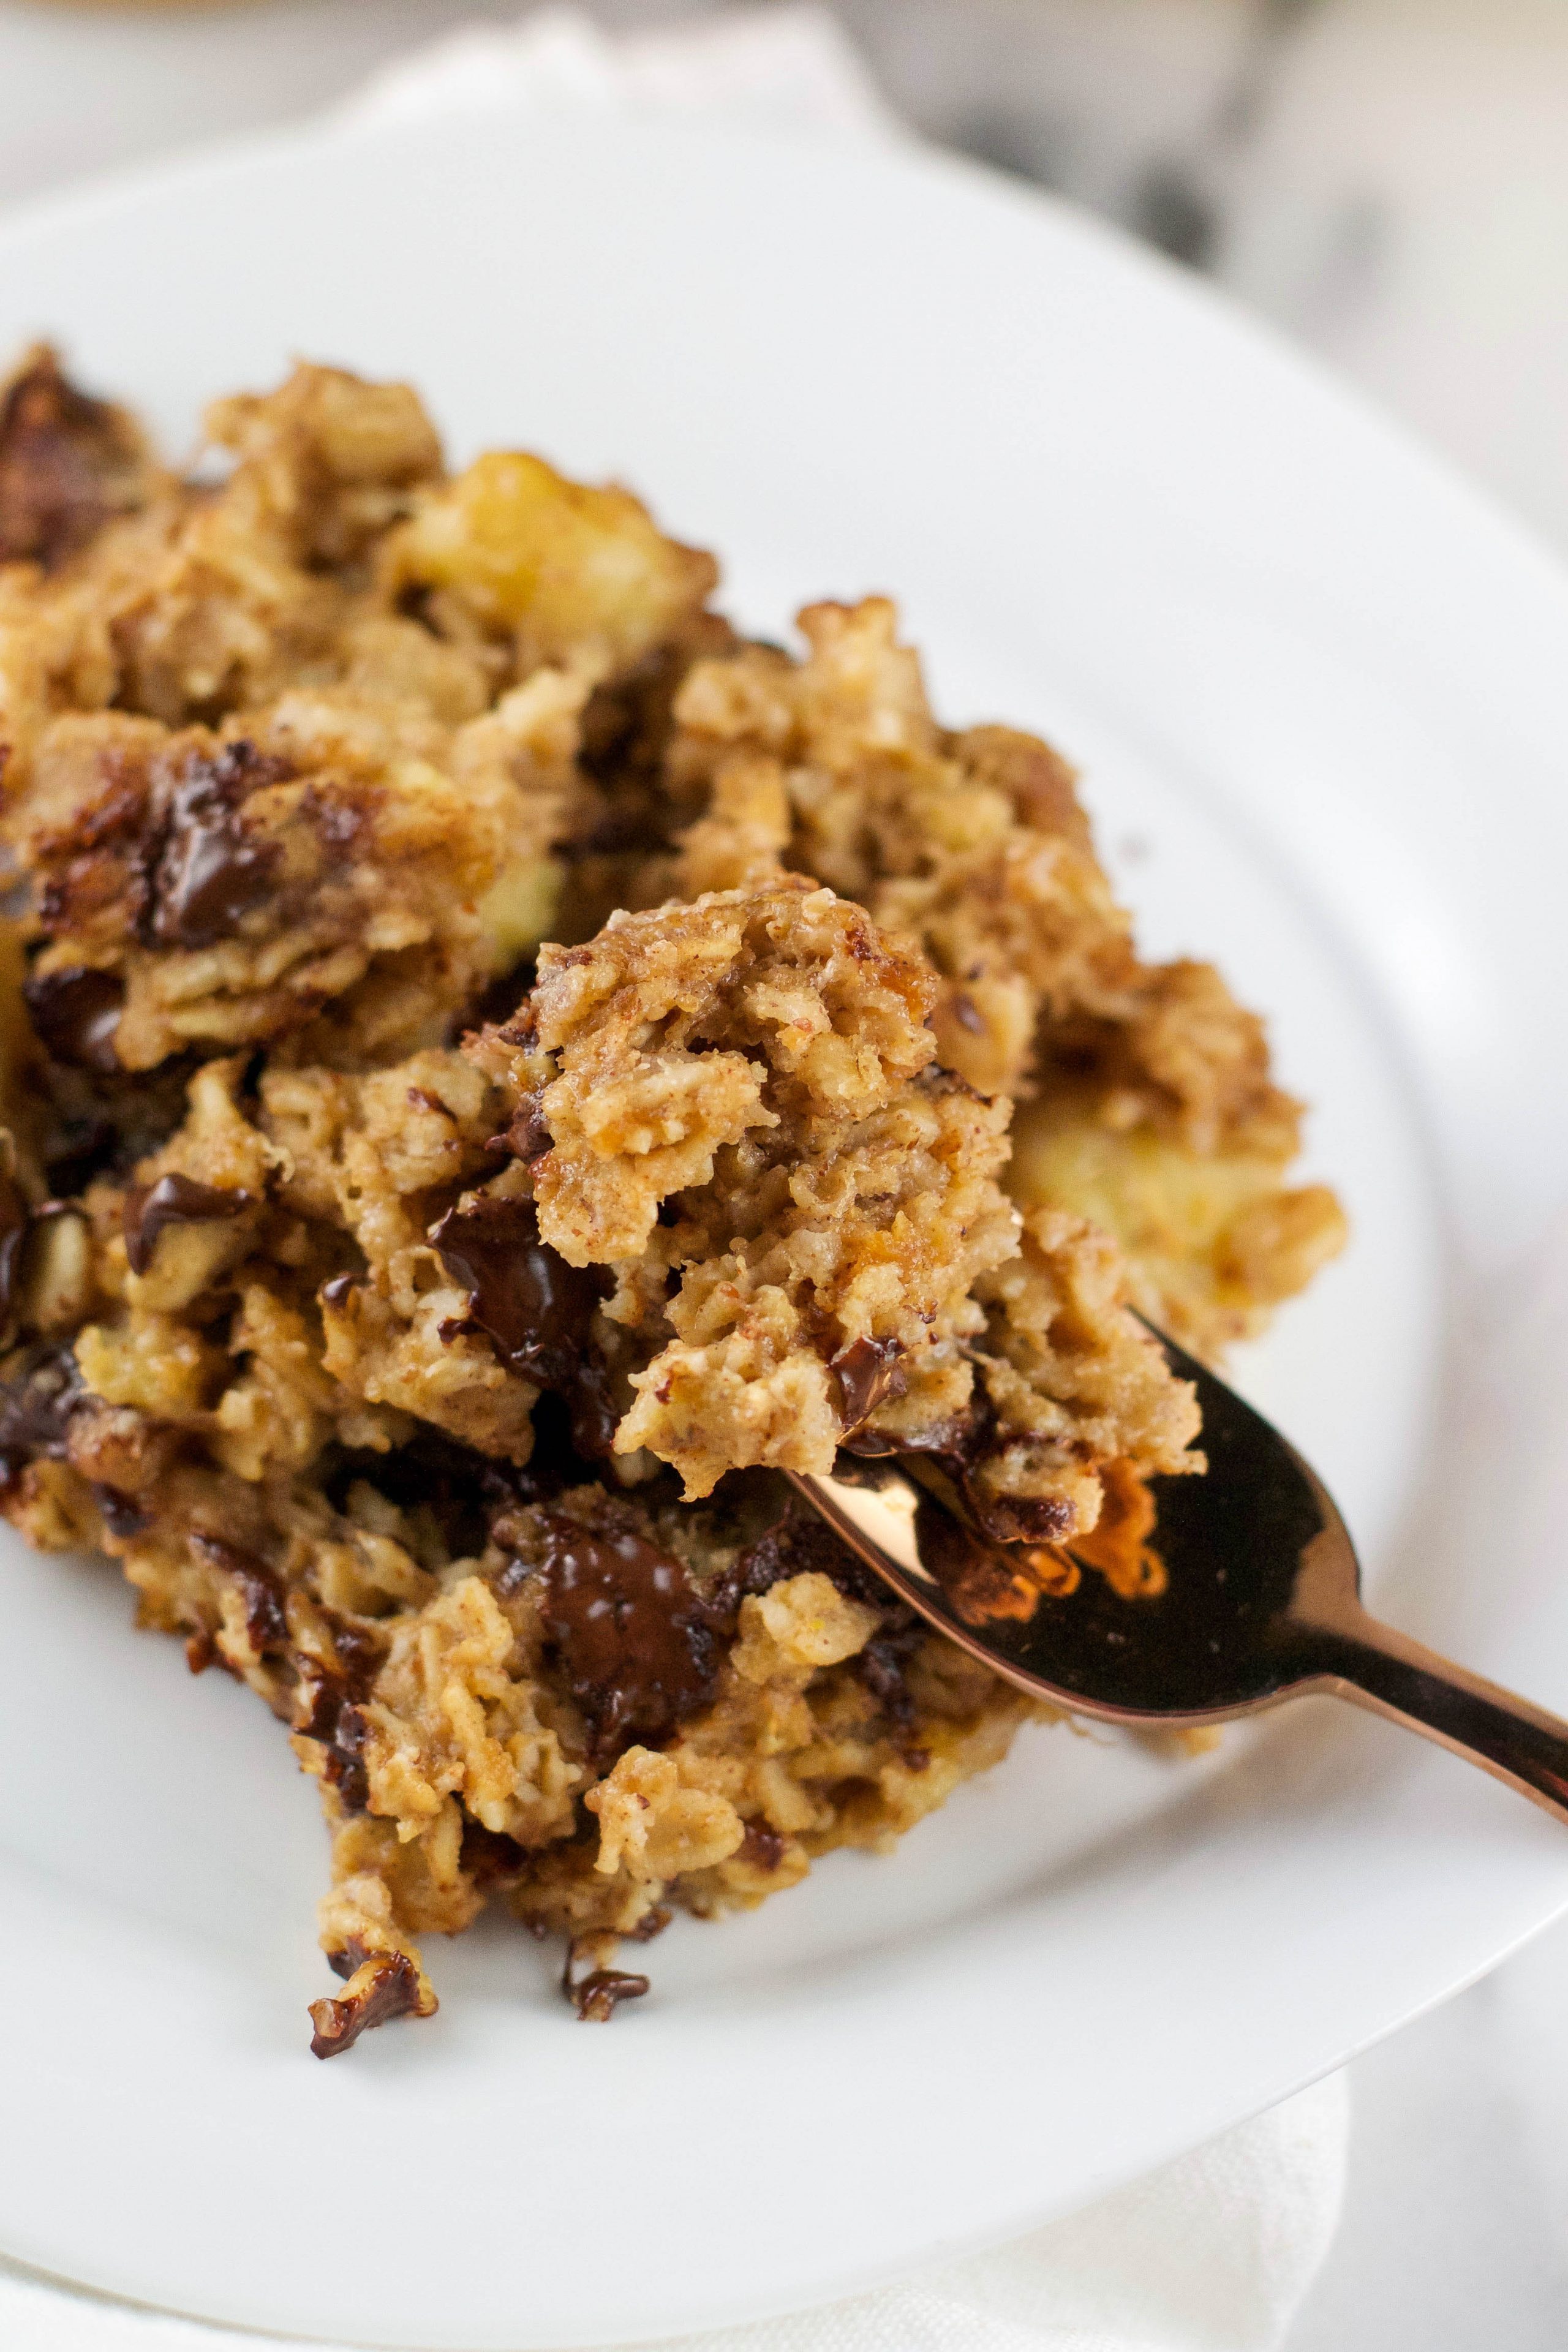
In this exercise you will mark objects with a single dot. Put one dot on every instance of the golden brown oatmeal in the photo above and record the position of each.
(498, 1071)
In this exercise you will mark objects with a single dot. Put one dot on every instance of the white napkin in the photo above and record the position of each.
(790, 65)
(1212, 2254)
(1215, 2252)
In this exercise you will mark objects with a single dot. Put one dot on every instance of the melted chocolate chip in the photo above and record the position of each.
(326, 1707)
(762, 1846)
(336, 1293)
(260, 1589)
(464, 1492)
(881, 1666)
(869, 1372)
(75, 1013)
(37, 1406)
(528, 1137)
(345, 1764)
(627, 723)
(537, 1309)
(986, 1582)
(67, 464)
(204, 871)
(597, 1997)
(172, 1201)
(640, 1646)
(393, 1991)
(348, 1959)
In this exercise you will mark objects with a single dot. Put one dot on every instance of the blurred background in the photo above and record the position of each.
(1387, 178)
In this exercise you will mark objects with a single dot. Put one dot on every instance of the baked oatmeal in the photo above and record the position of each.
(500, 1070)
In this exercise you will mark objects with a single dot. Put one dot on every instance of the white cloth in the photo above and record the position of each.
(1215, 2252)
(790, 66)
(1211, 2255)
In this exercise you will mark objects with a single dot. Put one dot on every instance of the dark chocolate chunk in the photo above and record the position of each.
(260, 1588)
(172, 1201)
(204, 870)
(527, 1138)
(641, 1645)
(326, 1706)
(881, 1666)
(762, 1846)
(67, 465)
(464, 1492)
(346, 1767)
(336, 1292)
(37, 1405)
(869, 1372)
(537, 1309)
(75, 1013)
(393, 1991)
(598, 1996)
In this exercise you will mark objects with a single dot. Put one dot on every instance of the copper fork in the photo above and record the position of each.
(1262, 1602)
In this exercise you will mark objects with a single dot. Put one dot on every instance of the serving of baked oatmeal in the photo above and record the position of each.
(500, 1068)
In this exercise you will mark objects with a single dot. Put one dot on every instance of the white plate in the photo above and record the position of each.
(1318, 688)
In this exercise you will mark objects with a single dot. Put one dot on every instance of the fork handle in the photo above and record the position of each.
(1378, 1667)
